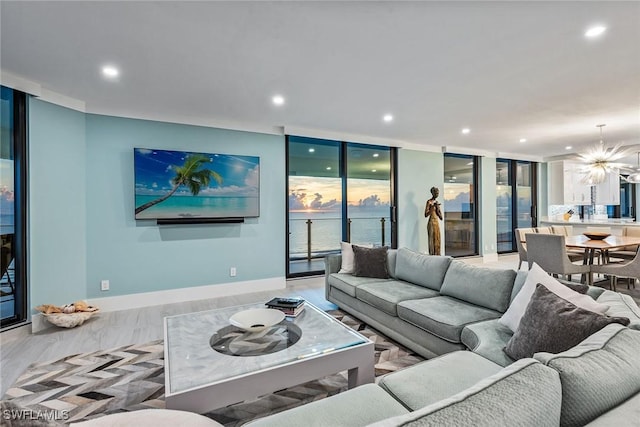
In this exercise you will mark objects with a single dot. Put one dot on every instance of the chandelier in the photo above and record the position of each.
(600, 161)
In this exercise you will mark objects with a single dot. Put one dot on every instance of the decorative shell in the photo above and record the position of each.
(68, 308)
(70, 320)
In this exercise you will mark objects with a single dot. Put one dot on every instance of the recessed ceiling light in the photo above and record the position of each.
(568, 147)
(312, 150)
(278, 100)
(376, 155)
(465, 131)
(595, 31)
(387, 118)
(374, 170)
(328, 168)
(523, 139)
(110, 71)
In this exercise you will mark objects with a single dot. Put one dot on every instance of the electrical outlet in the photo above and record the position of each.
(104, 285)
(232, 272)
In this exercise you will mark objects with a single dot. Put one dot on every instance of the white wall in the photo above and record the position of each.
(418, 171)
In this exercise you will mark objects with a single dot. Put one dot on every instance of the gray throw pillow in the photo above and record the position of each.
(370, 262)
(552, 324)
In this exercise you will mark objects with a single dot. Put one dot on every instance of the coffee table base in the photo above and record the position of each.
(357, 360)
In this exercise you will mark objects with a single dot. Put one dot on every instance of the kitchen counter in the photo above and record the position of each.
(580, 226)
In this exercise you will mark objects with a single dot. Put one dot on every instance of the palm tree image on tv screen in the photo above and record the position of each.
(178, 184)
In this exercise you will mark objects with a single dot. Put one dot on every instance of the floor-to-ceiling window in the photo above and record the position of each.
(368, 194)
(13, 207)
(337, 191)
(516, 195)
(460, 207)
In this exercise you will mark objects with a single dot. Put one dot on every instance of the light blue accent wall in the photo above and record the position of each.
(140, 256)
(57, 204)
(418, 171)
(488, 209)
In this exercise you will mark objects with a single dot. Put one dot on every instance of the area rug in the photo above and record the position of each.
(129, 378)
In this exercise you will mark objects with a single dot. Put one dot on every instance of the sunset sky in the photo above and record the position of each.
(313, 193)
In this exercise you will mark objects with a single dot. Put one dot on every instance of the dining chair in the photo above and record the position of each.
(616, 270)
(567, 230)
(628, 252)
(521, 245)
(550, 253)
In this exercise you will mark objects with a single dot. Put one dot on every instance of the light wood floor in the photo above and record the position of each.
(119, 328)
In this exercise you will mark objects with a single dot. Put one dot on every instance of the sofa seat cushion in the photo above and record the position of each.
(525, 393)
(620, 415)
(621, 305)
(487, 287)
(439, 378)
(598, 374)
(488, 339)
(348, 283)
(421, 269)
(443, 316)
(387, 294)
(357, 407)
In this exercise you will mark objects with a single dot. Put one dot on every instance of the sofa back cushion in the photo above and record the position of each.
(598, 374)
(621, 305)
(486, 287)
(421, 269)
(391, 262)
(525, 393)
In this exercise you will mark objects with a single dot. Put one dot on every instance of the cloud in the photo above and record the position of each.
(317, 203)
(144, 151)
(296, 200)
(371, 201)
(252, 179)
(154, 185)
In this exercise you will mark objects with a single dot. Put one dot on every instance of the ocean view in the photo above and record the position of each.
(198, 206)
(326, 229)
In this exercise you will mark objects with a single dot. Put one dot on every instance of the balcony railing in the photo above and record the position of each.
(314, 238)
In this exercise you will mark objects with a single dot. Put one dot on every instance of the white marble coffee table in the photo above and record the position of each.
(200, 379)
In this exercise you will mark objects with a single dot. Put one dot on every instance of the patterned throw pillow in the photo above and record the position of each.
(370, 262)
(552, 324)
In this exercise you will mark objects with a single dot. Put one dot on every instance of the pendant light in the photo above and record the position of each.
(600, 161)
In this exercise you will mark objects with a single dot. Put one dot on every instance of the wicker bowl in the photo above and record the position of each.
(70, 320)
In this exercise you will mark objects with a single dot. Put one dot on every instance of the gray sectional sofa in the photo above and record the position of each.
(450, 310)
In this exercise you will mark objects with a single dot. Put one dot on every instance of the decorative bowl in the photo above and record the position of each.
(597, 235)
(69, 320)
(257, 319)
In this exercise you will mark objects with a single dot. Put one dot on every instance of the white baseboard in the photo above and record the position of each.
(170, 296)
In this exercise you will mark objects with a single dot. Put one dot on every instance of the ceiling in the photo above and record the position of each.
(506, 70)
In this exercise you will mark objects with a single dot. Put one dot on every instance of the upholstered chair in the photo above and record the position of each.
(550, 253)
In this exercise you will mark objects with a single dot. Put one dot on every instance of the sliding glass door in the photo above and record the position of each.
(13, 208)
(336, 191)
(368, 194)
(314, 203)
(460, 207)
(516, 195)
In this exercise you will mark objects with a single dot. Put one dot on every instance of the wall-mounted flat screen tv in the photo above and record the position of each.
(180, 185)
